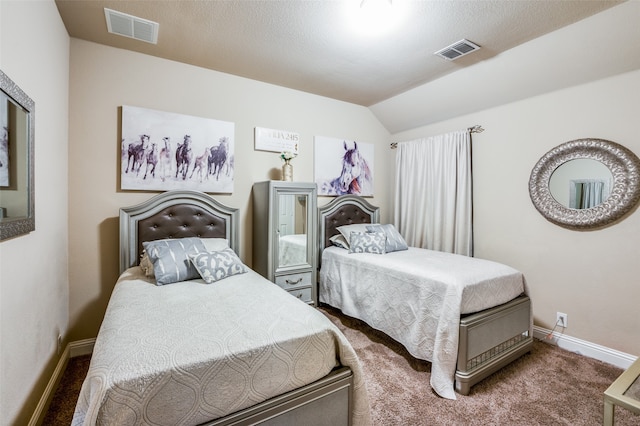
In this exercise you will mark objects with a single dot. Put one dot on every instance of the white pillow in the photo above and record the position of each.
(338, 240)
(346, 230)
(146, 265)
(215, 244)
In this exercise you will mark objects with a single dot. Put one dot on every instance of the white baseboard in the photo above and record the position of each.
(73, 349)
(81, 347)
(582, 347)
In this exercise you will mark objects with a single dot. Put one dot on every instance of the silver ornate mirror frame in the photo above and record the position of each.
(624, 166)
(13, 227)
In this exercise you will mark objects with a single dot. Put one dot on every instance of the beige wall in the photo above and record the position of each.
(104, 78)
(34, 53)
(593, 276)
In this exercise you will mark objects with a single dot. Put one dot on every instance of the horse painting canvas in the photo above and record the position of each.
(163, 151)
(343, 167)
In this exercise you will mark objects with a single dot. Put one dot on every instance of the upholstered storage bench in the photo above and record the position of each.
(491, 339)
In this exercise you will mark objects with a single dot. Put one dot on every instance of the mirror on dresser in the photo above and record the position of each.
(284, 235)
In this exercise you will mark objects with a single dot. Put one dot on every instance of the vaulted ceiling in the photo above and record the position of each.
(316, 47)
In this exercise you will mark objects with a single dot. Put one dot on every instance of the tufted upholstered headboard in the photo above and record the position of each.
(174, 214)
(343, 210)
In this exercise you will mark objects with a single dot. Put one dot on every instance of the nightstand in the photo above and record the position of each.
(625, 392)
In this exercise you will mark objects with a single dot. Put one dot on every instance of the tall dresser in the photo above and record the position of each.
(284, 236)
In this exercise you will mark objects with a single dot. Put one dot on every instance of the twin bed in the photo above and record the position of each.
(239, 350)
(469, 317)
(229, 347)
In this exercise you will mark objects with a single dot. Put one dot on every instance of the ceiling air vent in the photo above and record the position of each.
(457, 50)
(131, 26)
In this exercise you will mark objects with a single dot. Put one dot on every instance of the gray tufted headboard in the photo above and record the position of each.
(343, 210)
(174, 214)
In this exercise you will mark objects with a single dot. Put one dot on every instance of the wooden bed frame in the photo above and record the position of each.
(180, 214)
(486, 342)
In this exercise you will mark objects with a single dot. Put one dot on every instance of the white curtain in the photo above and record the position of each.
(588, 193)
(433, 194)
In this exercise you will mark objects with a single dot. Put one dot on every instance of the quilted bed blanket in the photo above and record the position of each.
(186, 353)
(416, 297)
(292, 249)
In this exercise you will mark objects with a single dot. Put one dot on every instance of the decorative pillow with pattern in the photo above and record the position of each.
(338, 240)
(346, 230)
(367, 242)
(395, 242)
(217, 265)
(170, 258)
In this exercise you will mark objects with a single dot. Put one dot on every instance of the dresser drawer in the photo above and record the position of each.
(303, 294)
(294, 281)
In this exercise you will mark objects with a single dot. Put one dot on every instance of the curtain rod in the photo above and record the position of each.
(474, 129)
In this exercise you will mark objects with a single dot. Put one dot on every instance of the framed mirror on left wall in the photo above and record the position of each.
(17, 195)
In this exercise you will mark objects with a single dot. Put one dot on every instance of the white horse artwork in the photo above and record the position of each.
(353, 174)
(164, 151)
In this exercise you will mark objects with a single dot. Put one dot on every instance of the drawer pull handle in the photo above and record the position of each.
(300, 296)
(294, 282)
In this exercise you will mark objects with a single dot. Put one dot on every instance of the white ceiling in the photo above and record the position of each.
(313, 47)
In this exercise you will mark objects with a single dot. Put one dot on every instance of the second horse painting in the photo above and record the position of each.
(343, 166)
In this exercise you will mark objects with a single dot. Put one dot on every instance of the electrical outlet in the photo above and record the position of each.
(59, 344)
(562, 319)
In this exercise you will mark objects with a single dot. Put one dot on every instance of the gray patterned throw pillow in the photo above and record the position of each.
(395, 242)
(170, 258)
(217, 265)
(367, 242)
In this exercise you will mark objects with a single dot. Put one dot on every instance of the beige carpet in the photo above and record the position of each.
(549, 386)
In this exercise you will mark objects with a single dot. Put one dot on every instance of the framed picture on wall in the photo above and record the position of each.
(164, 151)
(343, 166)
(4, 141)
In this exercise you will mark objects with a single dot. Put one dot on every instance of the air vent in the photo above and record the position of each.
(457, 50)
(131, 26)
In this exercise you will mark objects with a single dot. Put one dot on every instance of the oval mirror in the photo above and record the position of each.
(608, 198)
(581, 184)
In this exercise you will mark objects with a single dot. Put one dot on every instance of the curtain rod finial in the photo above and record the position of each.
(476, 129)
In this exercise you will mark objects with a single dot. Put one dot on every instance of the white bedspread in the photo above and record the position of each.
(416, 297)
(292, 249)
(185, 353)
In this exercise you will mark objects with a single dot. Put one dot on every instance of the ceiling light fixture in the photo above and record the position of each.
(374, 17)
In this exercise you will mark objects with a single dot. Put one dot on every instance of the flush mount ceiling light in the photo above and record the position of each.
(374, 17)
(131, 26)
(457, 49)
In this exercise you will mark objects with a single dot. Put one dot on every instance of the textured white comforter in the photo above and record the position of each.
(292, 249)
(416, 297)
(185, 353)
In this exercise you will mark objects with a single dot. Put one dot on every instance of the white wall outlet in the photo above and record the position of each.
(562, 319)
